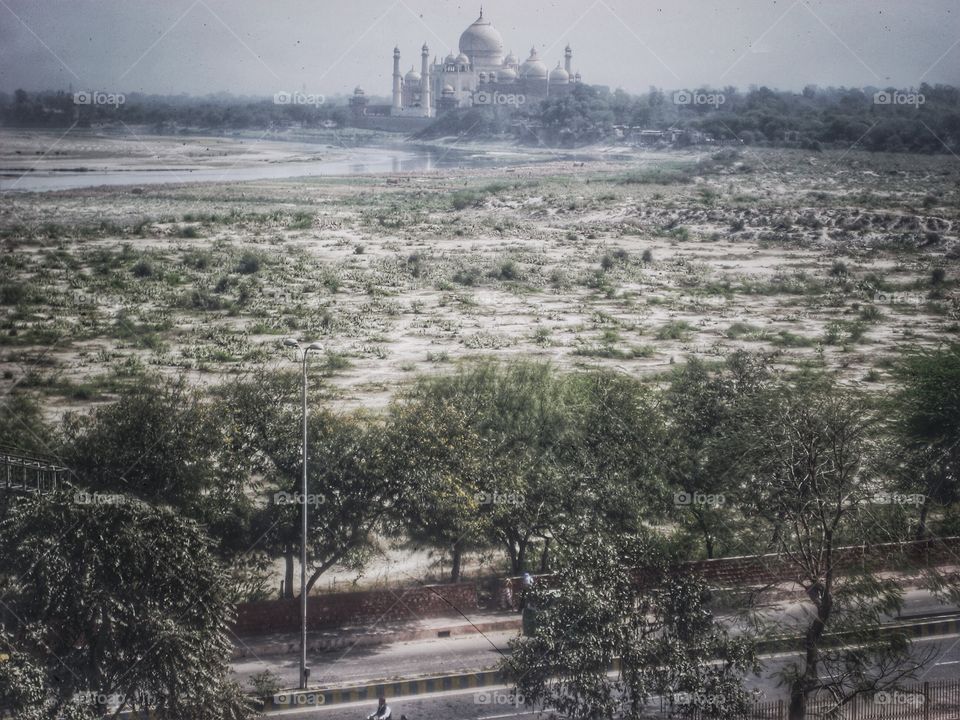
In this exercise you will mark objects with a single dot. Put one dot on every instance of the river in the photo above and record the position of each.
(353, 161)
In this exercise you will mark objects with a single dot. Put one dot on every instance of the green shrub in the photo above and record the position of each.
(249, 263)
(675, 330)
(142, 269)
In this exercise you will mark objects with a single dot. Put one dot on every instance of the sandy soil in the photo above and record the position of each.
(586, 261)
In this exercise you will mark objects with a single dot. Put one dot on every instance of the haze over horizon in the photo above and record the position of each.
(248, 47)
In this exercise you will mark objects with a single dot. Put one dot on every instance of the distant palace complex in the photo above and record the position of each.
(480, 75)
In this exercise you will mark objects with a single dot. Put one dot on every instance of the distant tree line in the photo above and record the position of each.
(162, 112)
(926, 120)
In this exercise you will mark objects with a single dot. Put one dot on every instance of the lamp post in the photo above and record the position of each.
(289, 342)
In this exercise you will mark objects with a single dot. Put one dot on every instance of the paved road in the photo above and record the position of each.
(455, 654)
(381, 662)
(497, 704)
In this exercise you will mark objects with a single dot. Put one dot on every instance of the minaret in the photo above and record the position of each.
(425, 100)
(568, 57)
(397, 81)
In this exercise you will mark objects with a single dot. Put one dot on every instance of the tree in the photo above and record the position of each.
(22, 425)
(24, 692)
(261, 423)
(158, 442)
(525, 417)
(350, 491)
(441, 460)
(696, 457)
(811, 448)
(616, 482)
(166, 443)
(119, 600)
(490, 449)
(927, 408)
(615, 599)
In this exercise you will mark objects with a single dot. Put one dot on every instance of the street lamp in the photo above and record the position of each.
(290, 342)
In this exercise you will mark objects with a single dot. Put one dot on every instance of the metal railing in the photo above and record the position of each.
(21, 473)
(938, 700)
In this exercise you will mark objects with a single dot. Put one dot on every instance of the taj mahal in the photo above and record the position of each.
(481, 74)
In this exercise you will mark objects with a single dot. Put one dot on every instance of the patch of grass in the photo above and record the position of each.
(787, 339)
(675, 330)
(462, 199)
(142, 269)
(746, 331)
(13, 293)
(841, 332)
(655, 176)
(615, 257)
(249, 263)
(198, 259)
(186, 231)
(612, 352)
(300, 221)
(541, 337)
(508, 271)
(469, 276)
(839, 269)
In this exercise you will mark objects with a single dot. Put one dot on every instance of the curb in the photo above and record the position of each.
(493, 678)
(929, 628)
(339, 642)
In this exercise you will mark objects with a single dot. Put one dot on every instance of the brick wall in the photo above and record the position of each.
(754, 570)
(356, 608)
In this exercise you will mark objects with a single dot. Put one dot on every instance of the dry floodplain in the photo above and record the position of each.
(633, 262)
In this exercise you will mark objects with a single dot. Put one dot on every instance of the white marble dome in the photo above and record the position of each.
(482, 43)
(533, 67)
(559, 76)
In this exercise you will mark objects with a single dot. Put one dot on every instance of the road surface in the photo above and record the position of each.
(498, 704)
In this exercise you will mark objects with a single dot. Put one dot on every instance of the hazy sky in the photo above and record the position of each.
(328, 47)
